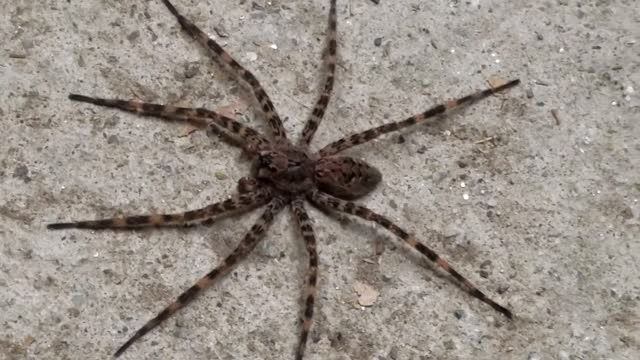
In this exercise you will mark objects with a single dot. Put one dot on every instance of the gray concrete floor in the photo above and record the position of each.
(545, 217)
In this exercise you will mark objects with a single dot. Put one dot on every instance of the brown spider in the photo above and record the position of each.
(283, 174)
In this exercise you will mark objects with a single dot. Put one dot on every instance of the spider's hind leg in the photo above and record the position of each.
(245, 247)
(304, 222)
(333, 203)
(235, 203)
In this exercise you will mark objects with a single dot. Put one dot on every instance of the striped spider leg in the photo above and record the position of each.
(223, 57)
(370, 134)
(327, 201)
(304, 222)
(329, 60)
(238, 202)
(243, 249)
(248, 138)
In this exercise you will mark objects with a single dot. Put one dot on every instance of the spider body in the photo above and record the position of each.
(287, 168)
(345, 177)
(283, 174)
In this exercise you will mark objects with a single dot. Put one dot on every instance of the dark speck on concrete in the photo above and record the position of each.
(133, 36)
(22, 172)
(459, 314)
(113, 139)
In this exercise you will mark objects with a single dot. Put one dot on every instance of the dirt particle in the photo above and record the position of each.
(459, 314)
(22, 172)
(367, 295)
(133, 36)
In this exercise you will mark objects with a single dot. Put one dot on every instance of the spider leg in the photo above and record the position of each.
(368, 135)
(333, 203)
(219, 54)
(236, 202)
(247, 244)
(251, 139)
(312, 275)
(330, 62)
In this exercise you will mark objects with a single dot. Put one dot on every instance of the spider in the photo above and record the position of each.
(284, 173)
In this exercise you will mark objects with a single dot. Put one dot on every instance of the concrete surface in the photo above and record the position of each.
(548, 226)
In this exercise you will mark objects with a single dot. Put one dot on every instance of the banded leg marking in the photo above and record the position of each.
(245, 247)
(368, 135)
(333, 203)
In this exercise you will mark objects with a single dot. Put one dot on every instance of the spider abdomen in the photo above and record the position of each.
(345, 177)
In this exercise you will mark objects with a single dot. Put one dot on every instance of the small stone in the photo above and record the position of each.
(251, 56)
(483, 274)
(449, 345)
(73, 312)
(533, 356)
(377, 41)
(113, 139)
(22, 172)
(459, 314)
(401, 139)
(393, 204)
(422, 149)
(462, 164)
(367, 295)
(191, 69)
(78, 299)
(132, 37)
(451, 230)
(529, 93)
(221, 31)
(394, 353)
(220, 175)
(492, 202)
(375, 1)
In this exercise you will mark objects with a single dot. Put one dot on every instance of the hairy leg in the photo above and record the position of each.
(312, 275)
(249, 138)
(368, 135)
(220, 55)
(247, 244)
(333, 203)
(330, 63)
(235, 203)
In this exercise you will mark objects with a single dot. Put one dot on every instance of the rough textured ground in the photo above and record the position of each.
(545, 216)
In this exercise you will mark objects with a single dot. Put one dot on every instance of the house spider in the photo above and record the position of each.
(284, 173)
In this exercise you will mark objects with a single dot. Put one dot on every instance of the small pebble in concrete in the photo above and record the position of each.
(459, 314)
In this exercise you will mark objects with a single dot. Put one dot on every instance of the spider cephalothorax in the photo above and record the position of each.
(292, 170)
(283, 174)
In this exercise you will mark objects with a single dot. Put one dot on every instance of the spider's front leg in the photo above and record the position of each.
(329, 58)
(219, 54)
(237, 202)
(249, 138)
